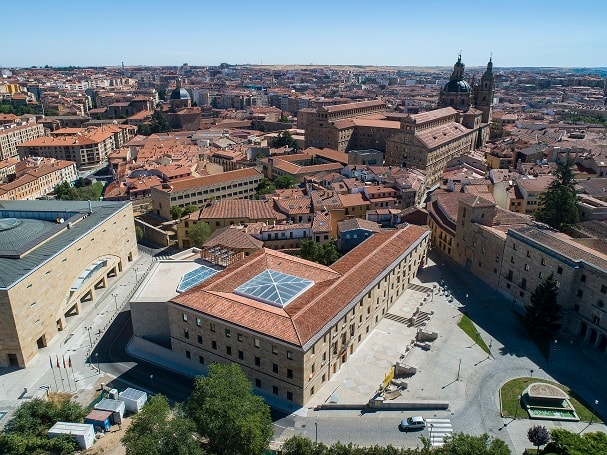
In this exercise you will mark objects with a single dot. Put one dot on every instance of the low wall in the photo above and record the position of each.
(153, 234)
(388, 406)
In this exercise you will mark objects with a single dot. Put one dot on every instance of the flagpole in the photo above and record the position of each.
(66, 374)
(60, 375)
(53, 370)
(69, 363)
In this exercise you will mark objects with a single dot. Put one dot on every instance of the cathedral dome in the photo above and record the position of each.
(454, 86)
(180, 94)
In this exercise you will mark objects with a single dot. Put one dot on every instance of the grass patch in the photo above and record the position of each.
(512, 389)
(466, 324)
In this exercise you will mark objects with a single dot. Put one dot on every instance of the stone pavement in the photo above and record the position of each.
(76, 343)
(456, 369)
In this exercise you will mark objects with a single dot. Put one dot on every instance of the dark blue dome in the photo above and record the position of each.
(457, 87)
(180, 94)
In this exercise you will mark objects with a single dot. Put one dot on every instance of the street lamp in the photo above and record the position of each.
(466, 299)
(531, 373)
(596, 402)
(554, 350)
(152, 382)
(316, 432)
(90, 339)
(115, 300)
(97, 358)
(431, 426)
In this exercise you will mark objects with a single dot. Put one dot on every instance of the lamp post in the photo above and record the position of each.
(90, 339)
(459, 368)
(97, 358)
(531, 373)
(477, 335)
(553, 356)
(431, 426)
(115, 300)
(466, 299)
(596, 402)
(152, 382)
(316, 432)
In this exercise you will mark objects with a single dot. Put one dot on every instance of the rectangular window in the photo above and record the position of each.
(604, 289)
(258, 383)
(559, 270)
(185, 317)
(580, 293)
(198, 322)
(275, 367)
(290, 396)
(229, 350)
(241, 355)
(256, 342)
(275, 390)
(289, 355)
(524, 283)
(228, 333)
(274, 350)
(583, 278)
(543, 261)
(239, 336)
(186, 334)
(201, 359)
(199, 339)
(188, 354)
(214, 344)
(212, 326)
(257, 361)
(289, 373)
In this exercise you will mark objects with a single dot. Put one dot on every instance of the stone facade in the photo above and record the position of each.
(11, 137)
(88, 249)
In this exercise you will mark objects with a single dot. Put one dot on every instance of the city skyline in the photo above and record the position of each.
(385, 33)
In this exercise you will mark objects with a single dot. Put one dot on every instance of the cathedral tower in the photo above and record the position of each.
(483, 93)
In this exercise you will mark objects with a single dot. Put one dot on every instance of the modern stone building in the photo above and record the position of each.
(289, 323)
(54, 258)
(11, 137)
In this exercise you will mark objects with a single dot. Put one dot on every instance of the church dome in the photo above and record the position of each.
(180, 94)
(454, 86)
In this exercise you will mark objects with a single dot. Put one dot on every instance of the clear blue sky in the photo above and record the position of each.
(380, 32)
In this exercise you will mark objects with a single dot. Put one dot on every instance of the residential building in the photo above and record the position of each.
(37, 177)
(13, 135)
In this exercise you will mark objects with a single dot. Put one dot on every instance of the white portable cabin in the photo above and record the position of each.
(83, 433)
(133, 399)
(117, 408)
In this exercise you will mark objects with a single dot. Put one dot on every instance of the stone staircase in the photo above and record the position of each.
(420, 319)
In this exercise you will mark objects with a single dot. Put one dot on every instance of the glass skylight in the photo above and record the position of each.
(195, 277)
(274, 287)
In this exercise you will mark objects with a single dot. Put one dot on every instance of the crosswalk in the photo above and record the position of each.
(439, 429)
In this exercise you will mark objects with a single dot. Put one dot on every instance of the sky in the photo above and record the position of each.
(516, 33)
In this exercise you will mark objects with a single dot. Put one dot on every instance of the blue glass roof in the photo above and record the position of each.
(195, 277)
(274, 287)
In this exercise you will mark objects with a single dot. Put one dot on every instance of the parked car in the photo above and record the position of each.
(413, 423)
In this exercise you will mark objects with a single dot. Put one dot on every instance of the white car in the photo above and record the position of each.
(413, 423)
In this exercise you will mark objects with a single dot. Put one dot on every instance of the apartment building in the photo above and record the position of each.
(238, 184)
(37, 177)
(12, 135)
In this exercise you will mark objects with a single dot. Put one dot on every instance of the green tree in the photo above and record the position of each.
(308, 249)
(158, 430)
(285, 139)
(538, 436)
(328, 253)
(199, 233)
(139, 233)
(558, 207)
(66, 192)
(226, 412)
(464, 444)
(265, 187)
(284, 181)
(543, 313)
(145, 129)
(176, 212)
(189, 209)
(568, 443)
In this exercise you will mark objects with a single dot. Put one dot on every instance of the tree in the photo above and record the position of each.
(139, 233)
(189, 209)
(543, 313)
(308, 249)
(328, 253)
(66, 192)
(227, 413)
(176, 212)
(199, 233)
(284, 181)
(558, 204)
(265, 187)
(158, 430)
(538, 436)
(285, 139)
(463, 444)
(566, 442)
(159, 123)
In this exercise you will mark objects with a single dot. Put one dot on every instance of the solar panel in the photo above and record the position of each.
(195, 277)
(274, 287)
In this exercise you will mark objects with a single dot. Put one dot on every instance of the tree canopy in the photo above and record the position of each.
(325, 254)
(66, 192)
(558, 204)
(538, 435)
(199, 233)
(265, 187)
(26, 432)
(285, 139)
(284, 181)
(463, 444)
(568, 443)
(158, 430)
(158, 124)
(226, 412)
(543, 313)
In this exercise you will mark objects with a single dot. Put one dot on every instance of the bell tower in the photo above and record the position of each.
(484, 93)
